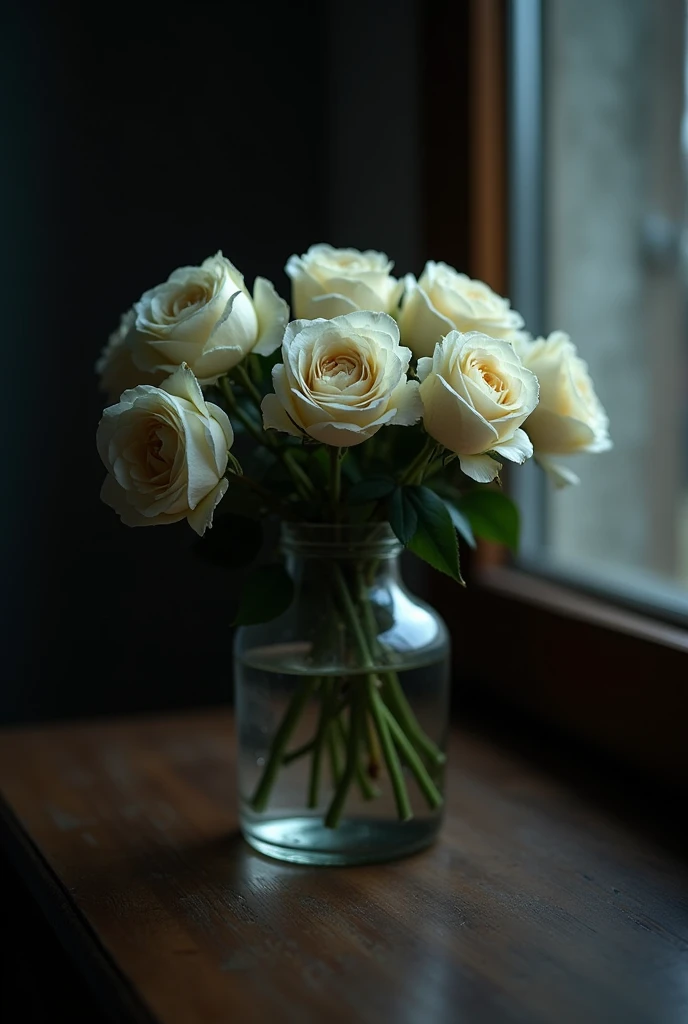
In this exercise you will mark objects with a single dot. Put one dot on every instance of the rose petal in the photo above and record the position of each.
(330, 305)
(183, 384)
(421, 324)
(346, 435)
(222, 419)
(273, 316)
(201, 518)
(517, 449)
(408, 404)
(553, 434)
(452, 421)
(275, 416)
(201, 468)
(480, 468)
(561, 476)
(217, 361)
(114, 496)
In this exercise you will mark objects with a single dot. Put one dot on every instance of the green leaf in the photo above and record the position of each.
(267, 592)
(370, 489)
(403, 517)
(233, 542)
(435, 537)
(492, 515)
(460, 521)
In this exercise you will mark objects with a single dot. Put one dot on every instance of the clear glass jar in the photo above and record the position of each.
(342, 706)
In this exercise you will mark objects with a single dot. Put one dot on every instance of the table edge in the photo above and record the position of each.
(110, 986)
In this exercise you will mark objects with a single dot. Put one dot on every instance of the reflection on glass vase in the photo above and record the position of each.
(342, 706)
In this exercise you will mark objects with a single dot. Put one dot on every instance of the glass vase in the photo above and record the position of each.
(342, 706)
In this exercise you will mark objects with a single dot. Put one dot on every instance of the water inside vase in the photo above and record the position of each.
(287, 828)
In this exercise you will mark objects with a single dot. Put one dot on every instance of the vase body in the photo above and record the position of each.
(342, 706)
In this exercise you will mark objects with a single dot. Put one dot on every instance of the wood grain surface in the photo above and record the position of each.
(536, 906)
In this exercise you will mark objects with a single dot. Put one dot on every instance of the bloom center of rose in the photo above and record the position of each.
(345, 263)
(160, 446)
(193, 297)
(494, 382)
(341, 370)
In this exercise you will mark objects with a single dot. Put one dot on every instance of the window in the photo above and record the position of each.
(592, 99)
(599, 131)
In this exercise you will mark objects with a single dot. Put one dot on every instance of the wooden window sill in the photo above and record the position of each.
(609, 676)
(535, 906)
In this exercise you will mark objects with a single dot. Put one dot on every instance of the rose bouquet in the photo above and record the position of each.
(385, 406)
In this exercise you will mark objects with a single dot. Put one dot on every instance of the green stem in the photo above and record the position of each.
(388, 751)
(352, 751)
(267, 496)
(368, 614)
(434, 467)
(248, 385)
(279, 744)
(418, 465)
(368, 790)
(377, 708)
(352, 616)
(324, 720)
(333, 751)
(335, 481)
(302, 481)
(294, 755)
(374, 753)
(391, 685)
(427, 786)
(399, 706)
(299, 475)
(238, 412)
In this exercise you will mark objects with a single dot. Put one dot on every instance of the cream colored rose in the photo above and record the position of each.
(342, 379)
(569, 417)
(444, 300)
(166, 451)
(476, 394)
(205, 317)
(329, 282)
(117, 369)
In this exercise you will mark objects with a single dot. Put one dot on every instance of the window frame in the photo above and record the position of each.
(611, 676)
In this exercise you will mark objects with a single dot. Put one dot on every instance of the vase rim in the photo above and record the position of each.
(340, 540)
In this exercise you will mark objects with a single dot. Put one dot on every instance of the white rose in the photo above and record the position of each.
(204, 317)
(569, 418)
(329, 282)
(116, 367)
(342, 380)
(476, 394)
(444, 300)
(166, 451)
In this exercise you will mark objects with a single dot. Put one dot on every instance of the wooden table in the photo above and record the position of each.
(536, 906)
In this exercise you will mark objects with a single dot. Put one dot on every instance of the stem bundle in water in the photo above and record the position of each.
(359, 728)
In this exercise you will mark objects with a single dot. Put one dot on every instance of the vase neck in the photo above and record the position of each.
(344, 542)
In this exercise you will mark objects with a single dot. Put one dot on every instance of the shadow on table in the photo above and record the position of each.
(624, 792)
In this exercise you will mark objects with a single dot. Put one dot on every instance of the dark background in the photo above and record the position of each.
(137, 138)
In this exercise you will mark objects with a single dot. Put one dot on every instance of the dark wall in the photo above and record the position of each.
(135, 138)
